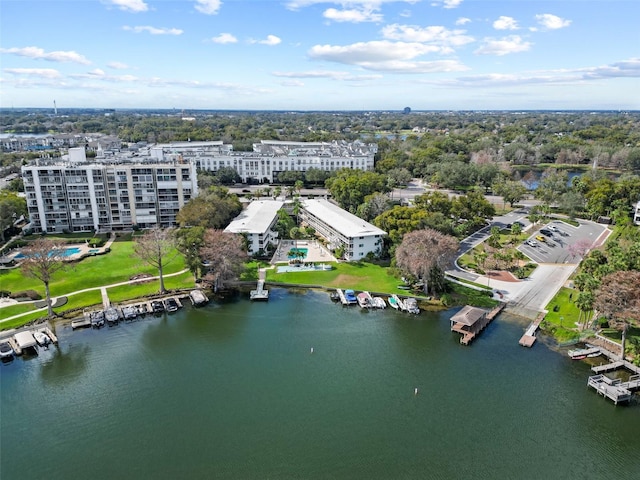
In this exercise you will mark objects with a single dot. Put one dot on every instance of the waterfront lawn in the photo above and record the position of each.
(123, 293)
(116, 266)
(560, 321)
(461, 295)
(354, 275)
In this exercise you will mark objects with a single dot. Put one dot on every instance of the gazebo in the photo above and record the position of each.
(469, 322)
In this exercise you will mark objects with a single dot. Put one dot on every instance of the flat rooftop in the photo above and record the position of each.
(256, 217)
(340, 220)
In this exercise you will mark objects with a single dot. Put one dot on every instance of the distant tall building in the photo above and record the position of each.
(270, 157)
(81, 197)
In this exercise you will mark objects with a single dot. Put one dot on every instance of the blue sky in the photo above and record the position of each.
(321, 55)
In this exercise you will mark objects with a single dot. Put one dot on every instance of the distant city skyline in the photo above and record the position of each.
(321, 55)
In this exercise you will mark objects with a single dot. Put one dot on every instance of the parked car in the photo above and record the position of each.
(540, 238)
(553, 228)
(531, 243)
(546, 232)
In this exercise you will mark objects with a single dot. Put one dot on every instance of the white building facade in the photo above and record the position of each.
(82, 197)
(270, 157)
(257, 222)
(342, 229)
(636, 213)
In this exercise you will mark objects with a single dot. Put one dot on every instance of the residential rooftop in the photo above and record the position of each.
(256, 217)
(340, 220)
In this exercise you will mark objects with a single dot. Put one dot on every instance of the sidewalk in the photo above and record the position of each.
(102, 288)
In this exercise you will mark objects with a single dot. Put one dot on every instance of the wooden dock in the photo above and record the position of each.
(259, 293)
(529, 337)
(470, 321)
(341, 296)
(614, 389)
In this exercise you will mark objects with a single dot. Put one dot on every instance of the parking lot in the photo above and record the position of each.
(553, 247)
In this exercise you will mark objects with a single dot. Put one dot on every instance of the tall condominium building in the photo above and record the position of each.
(77, 196)
(270, 157)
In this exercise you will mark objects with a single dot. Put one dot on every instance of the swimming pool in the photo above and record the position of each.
(303, 268)
(67, 252)
(291, 254)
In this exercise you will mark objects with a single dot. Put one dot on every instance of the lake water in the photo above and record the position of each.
(233, 391)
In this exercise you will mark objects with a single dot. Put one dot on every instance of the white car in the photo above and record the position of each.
(531, 243)
(553, 228)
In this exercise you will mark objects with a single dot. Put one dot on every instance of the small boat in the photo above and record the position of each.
(396, 303)
(378, 302)
(112, 315)
(393, 302)
(580, 353)
(198, 298)
(42, 338)
(363, 300)
(411, 305)
(594, 354)
(157, 306)
(97, 319)
(5, 350)
(334, 296)
(350, 296)
(171, 305)
(129, 312)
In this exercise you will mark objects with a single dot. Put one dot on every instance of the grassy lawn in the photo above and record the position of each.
(114, 267)
(563, 315)
(354, 275)
(127, 292)
(461, 295)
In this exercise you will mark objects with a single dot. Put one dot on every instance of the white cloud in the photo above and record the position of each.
(117, 65)
(298, 4)
(353, 15)
(130, 5)
(505, 23)
(503, 46)
(224, 38)
(552, 22)
(463, 21)
(439, 36)
(271, 40)
(153, 30)
(34, 72)
(385, 56)
(208, 7)
(333, 75)
(40, 54)
(99, 74)
(447, 3)
(625, 69)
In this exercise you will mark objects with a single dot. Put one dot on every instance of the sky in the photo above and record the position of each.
(321, 55)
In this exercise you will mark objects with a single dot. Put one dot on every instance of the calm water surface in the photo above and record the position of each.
(232, 391)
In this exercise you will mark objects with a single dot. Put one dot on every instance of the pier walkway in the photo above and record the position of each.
(529, 337)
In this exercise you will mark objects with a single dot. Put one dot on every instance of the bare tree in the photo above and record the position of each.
(618, 299)
(43, 258)
(224, 255)
(423, 250)
(157, 247)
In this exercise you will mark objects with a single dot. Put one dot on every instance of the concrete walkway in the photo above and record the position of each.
(103, 289)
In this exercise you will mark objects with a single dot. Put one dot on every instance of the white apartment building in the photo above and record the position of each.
(270, 157)
(636, 213)
(342, 229)
(256, 222)
(77, 196)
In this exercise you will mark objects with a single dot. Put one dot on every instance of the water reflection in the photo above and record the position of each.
(65, 365)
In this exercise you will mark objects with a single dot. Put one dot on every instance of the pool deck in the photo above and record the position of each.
(84, 250)
(315, 251)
